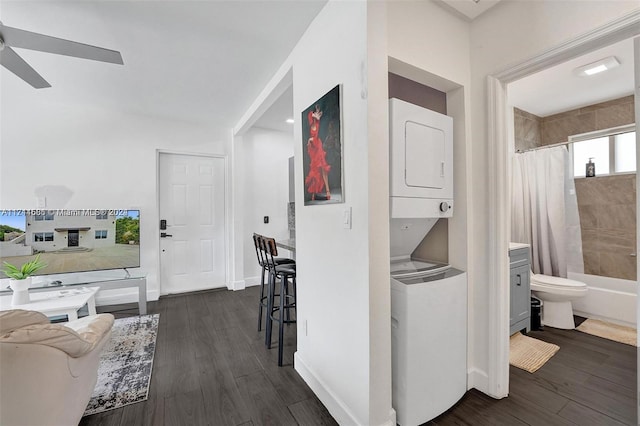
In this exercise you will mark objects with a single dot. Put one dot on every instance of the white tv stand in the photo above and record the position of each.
(104, 283)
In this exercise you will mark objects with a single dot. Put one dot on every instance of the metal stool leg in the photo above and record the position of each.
(281, 316)
(262, 285)
(270, 297)
(286, 295)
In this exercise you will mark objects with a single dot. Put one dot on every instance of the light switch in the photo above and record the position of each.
(346, 218)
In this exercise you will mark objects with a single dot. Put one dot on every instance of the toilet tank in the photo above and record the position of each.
(421, 161)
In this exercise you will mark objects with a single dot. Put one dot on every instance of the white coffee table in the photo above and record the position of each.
(53, 303)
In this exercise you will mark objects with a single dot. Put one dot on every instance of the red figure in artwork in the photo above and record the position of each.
(317, 179)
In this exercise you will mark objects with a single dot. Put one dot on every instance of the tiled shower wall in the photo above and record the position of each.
(528, 130)
(532, 131)
(606, 204)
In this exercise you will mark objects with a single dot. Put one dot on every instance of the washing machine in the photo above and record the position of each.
(428, 339)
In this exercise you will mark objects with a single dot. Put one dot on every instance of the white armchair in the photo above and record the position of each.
(48, 371)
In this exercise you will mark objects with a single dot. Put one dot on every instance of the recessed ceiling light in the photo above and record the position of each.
(290, 120)
(598, 66)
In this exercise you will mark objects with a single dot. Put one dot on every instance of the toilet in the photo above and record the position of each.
(557, 294)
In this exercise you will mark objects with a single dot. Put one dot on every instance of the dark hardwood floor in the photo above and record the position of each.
(590, 381)
(212, 368)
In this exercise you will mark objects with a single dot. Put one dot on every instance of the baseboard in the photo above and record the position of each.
(478, 379)
(336, 407)
(252, 281)
(392, 418)
(121, 296)
(153, 295)
(237, 285)
(118, 297)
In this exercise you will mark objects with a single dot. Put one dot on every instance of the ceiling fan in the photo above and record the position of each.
(13, 37)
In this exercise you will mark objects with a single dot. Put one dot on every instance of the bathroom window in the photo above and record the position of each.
(597, 150)
(615, 153)
(625, 152)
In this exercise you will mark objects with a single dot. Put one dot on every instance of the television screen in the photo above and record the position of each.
(71, 240)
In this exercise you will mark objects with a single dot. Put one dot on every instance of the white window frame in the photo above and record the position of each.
(103, 234)
(44, 216)
(610, 133)
(102, 216)
(44, 236)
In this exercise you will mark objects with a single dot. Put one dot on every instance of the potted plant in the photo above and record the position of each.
(21, 279)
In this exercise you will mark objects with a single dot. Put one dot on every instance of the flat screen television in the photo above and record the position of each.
(71, 240)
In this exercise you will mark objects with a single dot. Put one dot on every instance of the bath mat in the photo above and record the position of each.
(528, 353)
(607, 330)
(125, 364)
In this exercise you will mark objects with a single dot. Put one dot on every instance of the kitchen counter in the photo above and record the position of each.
(515, 246)
(289, 244)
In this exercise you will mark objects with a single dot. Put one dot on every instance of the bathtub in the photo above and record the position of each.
(609, 299)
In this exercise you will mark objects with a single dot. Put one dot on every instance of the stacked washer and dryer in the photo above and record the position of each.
(428, 299)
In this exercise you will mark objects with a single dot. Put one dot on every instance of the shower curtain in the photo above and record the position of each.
(544, 211)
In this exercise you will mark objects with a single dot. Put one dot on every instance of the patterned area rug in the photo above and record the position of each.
(529, 354)
(125, 364)
(607, 330)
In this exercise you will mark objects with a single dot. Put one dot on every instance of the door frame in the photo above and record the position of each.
(227, 205)
(499, 128)
(76, 232)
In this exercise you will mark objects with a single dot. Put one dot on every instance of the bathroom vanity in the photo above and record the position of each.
(520, 270)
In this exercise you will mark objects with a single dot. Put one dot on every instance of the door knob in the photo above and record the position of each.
(165, 235)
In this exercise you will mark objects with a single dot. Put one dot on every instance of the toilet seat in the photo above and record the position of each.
(547, 280)
(557, 285)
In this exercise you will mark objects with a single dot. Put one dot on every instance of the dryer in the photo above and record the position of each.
(421, 161)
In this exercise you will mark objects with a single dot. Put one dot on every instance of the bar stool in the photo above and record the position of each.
(287, 301)
(262, 256)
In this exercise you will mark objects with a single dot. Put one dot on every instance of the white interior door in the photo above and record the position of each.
(192, 201)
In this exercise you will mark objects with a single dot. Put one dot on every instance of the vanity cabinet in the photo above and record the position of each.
(520, 272)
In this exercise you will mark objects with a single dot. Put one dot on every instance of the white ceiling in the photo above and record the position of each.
(196, 61)
(206, 61)
(468, 9)
(275, 117)
(559, 89)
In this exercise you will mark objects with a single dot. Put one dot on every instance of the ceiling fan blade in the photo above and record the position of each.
(15, 37)
(14, 63)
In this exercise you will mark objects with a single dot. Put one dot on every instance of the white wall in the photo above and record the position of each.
(378, 196)
(86, 158)
(266, 191)
(508, 34)
(333, 293)
(430, 38)
(339, 278)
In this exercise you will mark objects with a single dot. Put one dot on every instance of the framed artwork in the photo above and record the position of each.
(322, 150)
